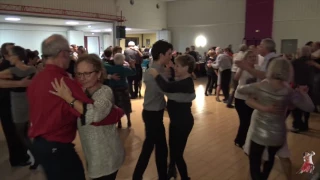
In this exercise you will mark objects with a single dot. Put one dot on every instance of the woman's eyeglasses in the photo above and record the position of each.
(85, 74)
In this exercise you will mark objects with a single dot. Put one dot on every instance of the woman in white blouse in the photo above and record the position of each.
(243, 110)
(101, 143)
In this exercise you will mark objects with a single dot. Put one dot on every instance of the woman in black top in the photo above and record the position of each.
(180, 95)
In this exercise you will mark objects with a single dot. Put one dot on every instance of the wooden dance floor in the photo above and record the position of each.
(210, 153)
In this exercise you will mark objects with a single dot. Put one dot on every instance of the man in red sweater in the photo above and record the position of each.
(53, 121)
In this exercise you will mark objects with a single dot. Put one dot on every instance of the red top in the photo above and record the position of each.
(51, 117)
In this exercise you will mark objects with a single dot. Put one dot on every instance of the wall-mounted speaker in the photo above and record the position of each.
(120, 32)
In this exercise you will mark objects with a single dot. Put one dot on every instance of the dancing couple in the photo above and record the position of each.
(180, 95)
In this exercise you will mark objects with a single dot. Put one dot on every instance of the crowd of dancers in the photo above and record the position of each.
(45, 101)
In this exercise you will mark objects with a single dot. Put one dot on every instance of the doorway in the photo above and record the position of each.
(92, 43)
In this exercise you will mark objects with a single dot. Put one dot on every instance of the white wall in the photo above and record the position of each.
(221, 22)
(76, 37)
(295, 19)
(28, 36)
(144, 14)
(107, 40)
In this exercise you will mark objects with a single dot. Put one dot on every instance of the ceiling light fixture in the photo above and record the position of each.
(92, 33)
(128, 29)
(96, 31)
(108, 30)
(12, 19)
(72, 22)
(89, 26)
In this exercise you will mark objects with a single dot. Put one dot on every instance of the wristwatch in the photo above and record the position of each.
(72, 103)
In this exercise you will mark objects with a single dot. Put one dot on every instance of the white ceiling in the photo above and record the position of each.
(86, 26)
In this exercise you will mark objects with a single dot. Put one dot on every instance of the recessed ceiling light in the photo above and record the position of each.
(72, 23)
(128, 29)
(12, 19)
(109, 30)
(92, 33)
(89, 26)
(96, 31)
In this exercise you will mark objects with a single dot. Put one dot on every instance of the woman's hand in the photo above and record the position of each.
(25, 82)
(153, 72)
(303, 89)
(272, 109)
(61, 90)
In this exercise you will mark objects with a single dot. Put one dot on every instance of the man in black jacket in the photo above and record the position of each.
(303, 76)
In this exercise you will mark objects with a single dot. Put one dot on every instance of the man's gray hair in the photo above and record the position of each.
(243, 47)
(270, 44)
(53, 45)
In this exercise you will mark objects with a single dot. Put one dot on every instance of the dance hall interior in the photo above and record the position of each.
(160, 90)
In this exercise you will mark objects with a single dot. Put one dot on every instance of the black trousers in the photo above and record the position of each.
(22, 132)
(134, 81)
(211, 83)
(17, 151)
(235, 85)
(155, 137)
(244, 113)
(225, 83)
(300, 119)
(112, 176)
(255, 156)
(59, 160)
(178, 137)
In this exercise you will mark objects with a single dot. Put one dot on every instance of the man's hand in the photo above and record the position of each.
(132, 63)
(24, 82)
(115, 77)
(311, 63)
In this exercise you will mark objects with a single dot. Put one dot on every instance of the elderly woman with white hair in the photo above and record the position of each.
(120, 87)
(271, 99)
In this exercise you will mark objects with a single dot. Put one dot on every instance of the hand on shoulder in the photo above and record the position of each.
(153, 72)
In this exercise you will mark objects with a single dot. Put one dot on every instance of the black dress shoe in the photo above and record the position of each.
(34, 166)
(295, 130)
(172, 173)
(230, 106)
(27, 163)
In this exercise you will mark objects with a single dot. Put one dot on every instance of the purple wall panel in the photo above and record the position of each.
(259, 16)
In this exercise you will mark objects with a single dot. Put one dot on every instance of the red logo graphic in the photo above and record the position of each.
(308, 165)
